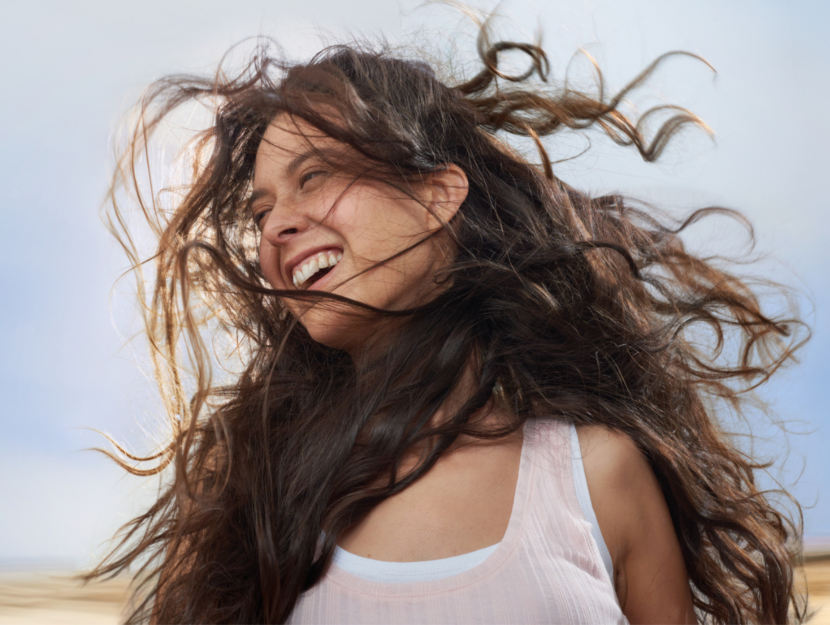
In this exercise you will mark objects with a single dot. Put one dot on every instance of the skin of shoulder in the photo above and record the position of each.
(649, 573)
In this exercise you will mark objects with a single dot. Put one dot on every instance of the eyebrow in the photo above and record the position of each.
(292, 167)
(299, 160)
(249, 203)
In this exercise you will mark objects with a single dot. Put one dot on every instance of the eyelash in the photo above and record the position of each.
(306, 177)
(259, 216)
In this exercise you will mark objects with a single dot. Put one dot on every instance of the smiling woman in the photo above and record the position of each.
(385, 246)
(471, 392)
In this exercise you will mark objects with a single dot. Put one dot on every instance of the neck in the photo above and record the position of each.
(492, 419)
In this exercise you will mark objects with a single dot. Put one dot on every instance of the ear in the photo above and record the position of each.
(446, 191)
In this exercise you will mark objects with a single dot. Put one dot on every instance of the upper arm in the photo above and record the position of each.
(650, 576)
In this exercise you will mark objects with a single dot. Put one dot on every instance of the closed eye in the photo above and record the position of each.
(260, 216)
(308, 176)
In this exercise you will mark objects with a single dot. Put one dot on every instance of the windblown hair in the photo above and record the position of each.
(587, 309)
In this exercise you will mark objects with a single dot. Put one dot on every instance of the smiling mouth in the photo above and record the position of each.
(315, 267)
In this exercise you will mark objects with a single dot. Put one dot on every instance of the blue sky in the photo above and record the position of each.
(72, 69)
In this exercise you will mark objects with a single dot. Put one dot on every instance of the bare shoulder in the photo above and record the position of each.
(612, 457)
(621, 483)
(635, 522)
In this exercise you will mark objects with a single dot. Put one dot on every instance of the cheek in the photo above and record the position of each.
(378, 229)
(269, 262)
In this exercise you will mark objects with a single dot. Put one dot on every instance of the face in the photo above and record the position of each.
(321, 230)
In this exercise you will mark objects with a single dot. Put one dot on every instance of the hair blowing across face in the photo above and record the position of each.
(566, 306)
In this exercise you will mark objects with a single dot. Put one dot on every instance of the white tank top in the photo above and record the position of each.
(548, 568)
(400, 572)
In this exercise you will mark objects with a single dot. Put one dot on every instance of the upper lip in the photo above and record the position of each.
(296, 261)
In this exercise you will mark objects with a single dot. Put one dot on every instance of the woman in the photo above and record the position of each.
(468, 393)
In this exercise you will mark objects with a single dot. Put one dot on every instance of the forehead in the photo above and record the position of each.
(286, 138)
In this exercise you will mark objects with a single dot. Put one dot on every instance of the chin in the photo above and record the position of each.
(330, 338)
(345, 327)
(335, 330)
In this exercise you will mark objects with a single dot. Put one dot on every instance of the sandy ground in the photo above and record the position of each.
(53, 598)
(818, 586)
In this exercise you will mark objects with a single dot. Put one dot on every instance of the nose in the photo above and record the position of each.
(283, 225)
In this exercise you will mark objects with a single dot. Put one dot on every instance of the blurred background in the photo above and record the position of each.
(70, 72)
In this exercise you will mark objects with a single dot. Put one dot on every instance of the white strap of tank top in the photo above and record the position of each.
(584, 498)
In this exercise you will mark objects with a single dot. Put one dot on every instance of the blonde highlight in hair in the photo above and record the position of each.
(573, 307)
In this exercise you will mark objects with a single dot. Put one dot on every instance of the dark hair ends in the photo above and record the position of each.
(570, 307)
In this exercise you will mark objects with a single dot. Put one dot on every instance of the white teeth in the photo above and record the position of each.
(315, 264)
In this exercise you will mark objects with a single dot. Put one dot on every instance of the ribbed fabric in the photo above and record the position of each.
(547, 568)
(401, 572)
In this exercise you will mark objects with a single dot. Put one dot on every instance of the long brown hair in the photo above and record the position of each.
(588, 309)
